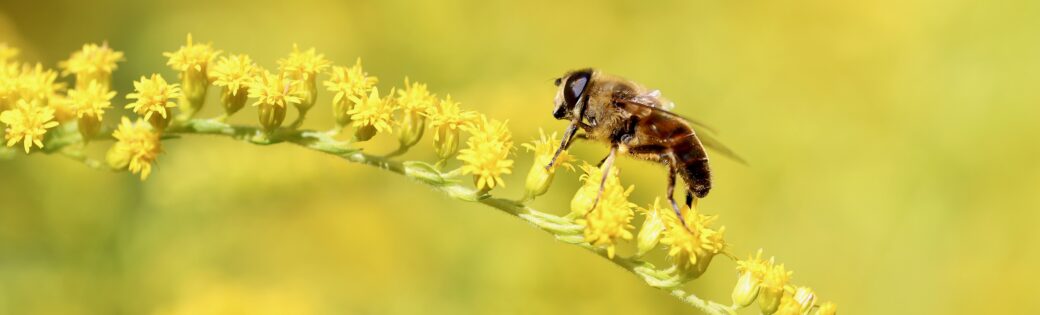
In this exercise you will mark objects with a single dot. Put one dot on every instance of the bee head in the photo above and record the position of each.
(570, 92)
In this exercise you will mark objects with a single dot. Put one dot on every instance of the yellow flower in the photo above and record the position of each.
(27, 122)
(192, 61)
(234, 73)
(7, 53)
(304, 65)
(137, 147)
(37, 83)
(539, 178)
(345, 83)
(91, 100)
(610, 220)
(446, 119)
(273, 95)
(692, 246)
(92, 63)
(788, 306)
(274, 90)
(415, 102)
(372, 111)
(152, 97)
(650, 233)
(191, 56)
(773, 283)
(487, 155)
(805, 297)
(827, 309)
(90, 104)
(350, 81)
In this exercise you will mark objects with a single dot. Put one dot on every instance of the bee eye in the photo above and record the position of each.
(575, 87)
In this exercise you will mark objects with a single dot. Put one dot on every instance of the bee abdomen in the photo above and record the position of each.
(693, 164)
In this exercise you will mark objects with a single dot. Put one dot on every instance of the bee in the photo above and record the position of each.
(637, 122)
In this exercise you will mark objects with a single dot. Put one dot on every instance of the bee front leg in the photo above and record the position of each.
(566, 143)
(607, 163)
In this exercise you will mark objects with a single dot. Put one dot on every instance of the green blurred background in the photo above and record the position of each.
(892, 144)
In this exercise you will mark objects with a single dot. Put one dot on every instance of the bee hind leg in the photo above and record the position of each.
(672, 171)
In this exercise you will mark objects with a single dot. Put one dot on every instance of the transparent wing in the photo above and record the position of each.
(705, 132)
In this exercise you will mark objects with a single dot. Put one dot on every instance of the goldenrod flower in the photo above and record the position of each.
(788, 306)
(805, 297)
(539, 178)
(371, 114)
(751, 272)
(37, 83)
(92, 63)
(415, 102)
(446, 119)
(487, 154)
(827, 309)
(610, 220)
(27, 123)
(650, 233)
(7, 53)
(273, 95)
(152, 95)
(773, 283)
(234, 73)
(346, 83)
(137, 147)
(192, 60)
(305, 66)
(9, 84)
(692, 246)
(90, 104)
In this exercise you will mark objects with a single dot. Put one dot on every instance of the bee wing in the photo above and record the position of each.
(705, 133)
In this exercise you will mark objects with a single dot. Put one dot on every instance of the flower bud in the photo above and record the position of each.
(447, 143)
(271, 116)
(413, 125)
(194, 83)
(339, 112)
(117, 158)
(308, 95)
(769, 299)
(539, 178)
(89, 126)
(746, 290)
(805, 298)
(788, 306)
(160, 122)
(650, 234)
(582, 201)
(234, 100)
(364, 133)
(827, 309)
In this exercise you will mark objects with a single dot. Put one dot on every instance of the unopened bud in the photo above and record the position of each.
(769, 299)
(364, 133)
(194, 83)
(447, 142)
(746, 290)
(234, 100)
(827, 309)
(413, 125)
(805, 298)
(89, 126)
(650, 234)
(271, 116)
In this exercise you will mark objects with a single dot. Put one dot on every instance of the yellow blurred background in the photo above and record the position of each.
(892, 148)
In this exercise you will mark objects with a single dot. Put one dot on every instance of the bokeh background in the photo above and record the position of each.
(892, 147)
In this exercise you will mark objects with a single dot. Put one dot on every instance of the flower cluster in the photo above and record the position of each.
(33, 105)
(603, 207)
(92, 63)
(769, 283)
(544, 148)
(347, 83)
(487, 154)
(192, 62)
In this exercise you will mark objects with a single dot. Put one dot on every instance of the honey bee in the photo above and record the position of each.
(637, 122)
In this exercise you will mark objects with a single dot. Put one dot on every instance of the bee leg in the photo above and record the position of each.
(607, 163)
(672, 171)
(689, 199)
(566, 143)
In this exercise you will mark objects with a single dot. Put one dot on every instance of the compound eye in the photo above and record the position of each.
(575, 87)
